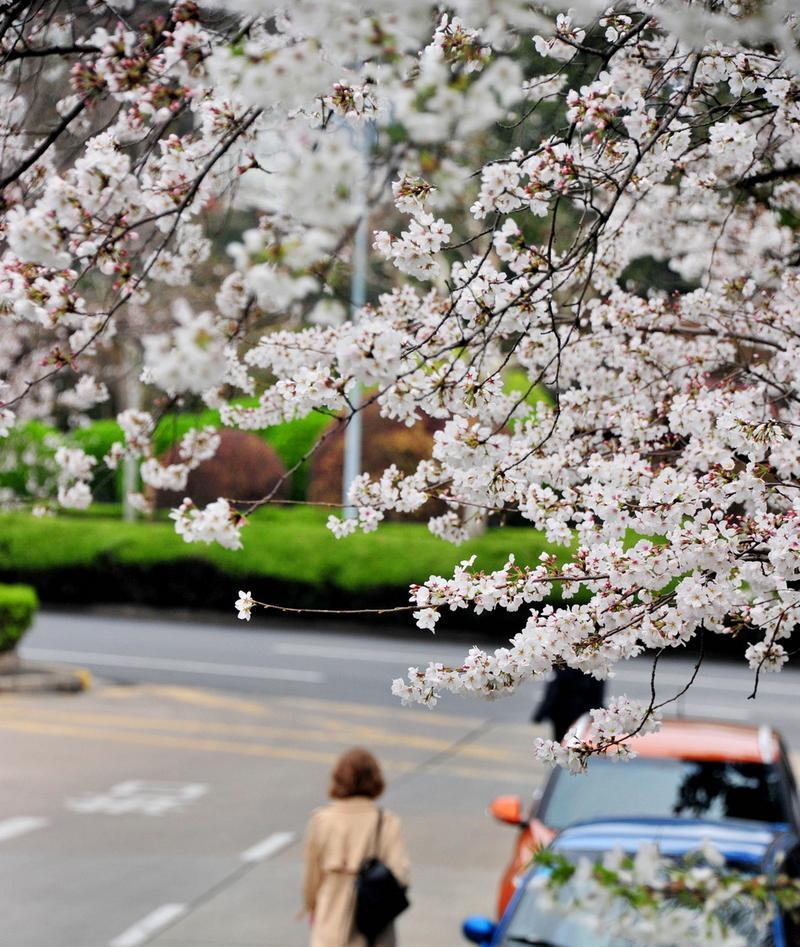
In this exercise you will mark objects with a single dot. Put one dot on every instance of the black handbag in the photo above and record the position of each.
(379, 895)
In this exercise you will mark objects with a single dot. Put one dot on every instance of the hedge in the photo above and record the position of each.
(289, 544)
(26, 457)
(289, 558)
(18, 604)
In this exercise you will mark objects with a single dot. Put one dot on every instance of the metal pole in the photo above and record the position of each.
(132, 397)
(358, 296)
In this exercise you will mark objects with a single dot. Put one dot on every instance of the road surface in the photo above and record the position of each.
(285, 661)
(167, 805)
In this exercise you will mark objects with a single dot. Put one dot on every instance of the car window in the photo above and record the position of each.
(666, 788)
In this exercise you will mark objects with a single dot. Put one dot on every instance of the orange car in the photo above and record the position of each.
(688, 769)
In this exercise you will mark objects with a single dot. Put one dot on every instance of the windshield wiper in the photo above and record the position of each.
(533, 942)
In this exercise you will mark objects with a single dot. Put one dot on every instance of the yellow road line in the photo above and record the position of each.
(116, 692)
(204, 698)
(432, 718)
(235, 748)
(346, 735)
(167, 740)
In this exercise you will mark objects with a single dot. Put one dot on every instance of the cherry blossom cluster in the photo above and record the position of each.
(189, 358)
(138, 428)
(647, 897)
(194, 447)
(414, 251)
(611, 730)
(216, 523)
(75, 471)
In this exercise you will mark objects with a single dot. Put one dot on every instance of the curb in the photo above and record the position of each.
(39, 678)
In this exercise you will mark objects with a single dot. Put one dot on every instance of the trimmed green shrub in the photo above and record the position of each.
(18, 604)
(27, 467)
(287, 544)
(172, 427)
(96, 439)
(293, 440)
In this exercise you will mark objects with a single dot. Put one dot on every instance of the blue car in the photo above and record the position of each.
(746, 846)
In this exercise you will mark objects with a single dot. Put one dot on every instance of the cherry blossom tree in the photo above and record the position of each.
(524, 167)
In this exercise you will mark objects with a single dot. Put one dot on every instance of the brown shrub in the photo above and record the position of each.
(383, 442)
(244, 468)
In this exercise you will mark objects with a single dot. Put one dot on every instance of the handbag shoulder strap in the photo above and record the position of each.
(377, 843)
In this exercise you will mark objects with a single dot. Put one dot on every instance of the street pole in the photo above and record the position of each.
(358, 297)
(132, 398)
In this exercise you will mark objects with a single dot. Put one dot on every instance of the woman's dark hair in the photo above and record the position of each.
(356, 773)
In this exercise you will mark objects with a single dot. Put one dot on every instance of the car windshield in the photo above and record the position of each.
(662, 788)
(530, 925)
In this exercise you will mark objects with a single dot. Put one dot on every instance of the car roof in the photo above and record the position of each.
(693, 739)
(708, 740)
(737, 841)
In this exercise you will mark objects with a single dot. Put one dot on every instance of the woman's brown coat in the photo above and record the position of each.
(339, 837)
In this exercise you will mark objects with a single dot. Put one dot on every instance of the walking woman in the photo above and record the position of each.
(339, 838)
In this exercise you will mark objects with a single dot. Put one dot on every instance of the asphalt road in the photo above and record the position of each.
(280, 660)
(167, 805)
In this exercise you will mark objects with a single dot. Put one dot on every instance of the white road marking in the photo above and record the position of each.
(11, 828)
(349, 654)
(140, 932)
(138, 796)
(268, 847)
(171, 664)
